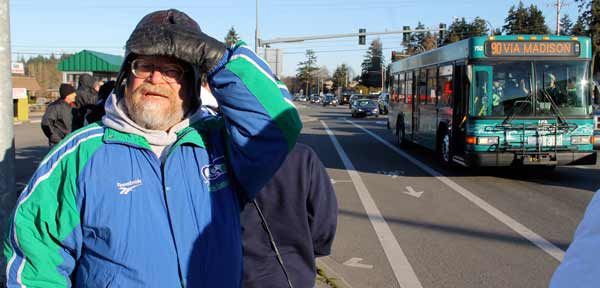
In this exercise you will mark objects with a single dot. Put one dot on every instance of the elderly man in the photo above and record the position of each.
(151, 196)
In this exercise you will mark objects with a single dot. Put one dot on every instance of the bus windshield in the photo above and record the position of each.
(531, 88)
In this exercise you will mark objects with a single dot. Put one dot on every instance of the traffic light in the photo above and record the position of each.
(406, 34)
(442, 30)
(362, 36)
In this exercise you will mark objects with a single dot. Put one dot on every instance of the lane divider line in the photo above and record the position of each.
(513, 224)
(403, 271)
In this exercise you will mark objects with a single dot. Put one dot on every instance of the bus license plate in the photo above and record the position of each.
(546, 140)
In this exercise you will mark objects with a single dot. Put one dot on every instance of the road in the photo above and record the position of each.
(468, 228)
(405, 220)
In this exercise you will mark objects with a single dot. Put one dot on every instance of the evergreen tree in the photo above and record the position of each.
(522, 20)
(536, 22)
(461, 29)
(232, 37)
(566, 26)
(341, 76)
(306, 69)
(516, 21)
(580, 28)
(372, 65)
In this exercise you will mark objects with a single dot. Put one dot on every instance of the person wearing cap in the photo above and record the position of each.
(57, 121)
(151, 196)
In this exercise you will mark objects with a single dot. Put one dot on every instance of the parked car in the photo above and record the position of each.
(383, 102)
(364, 108)
(354, 97)
(329, 99)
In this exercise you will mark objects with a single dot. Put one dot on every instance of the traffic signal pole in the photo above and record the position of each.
(7, 152)
(347, 35)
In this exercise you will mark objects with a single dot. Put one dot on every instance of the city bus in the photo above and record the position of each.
(498, 101)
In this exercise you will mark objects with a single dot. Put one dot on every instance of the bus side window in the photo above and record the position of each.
(409, 88)
(431, 86)
(444, 86)
(401, 89)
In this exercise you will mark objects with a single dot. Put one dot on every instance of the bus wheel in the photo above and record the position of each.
(444, 153)
(400, 134)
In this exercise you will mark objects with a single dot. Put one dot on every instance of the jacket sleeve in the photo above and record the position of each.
(322, 207)
(261, 122)
(44, 236)
(580, 266)
(49, 126)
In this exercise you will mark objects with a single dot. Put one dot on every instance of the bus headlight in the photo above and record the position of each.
(487, 140)
(581, 140)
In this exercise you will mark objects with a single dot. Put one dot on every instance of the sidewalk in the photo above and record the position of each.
(34, 117)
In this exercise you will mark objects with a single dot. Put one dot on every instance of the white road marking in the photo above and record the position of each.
(403, 271)
(410, 191)
(333, 181)
(355, 262)
(36, 121)
(528, 234)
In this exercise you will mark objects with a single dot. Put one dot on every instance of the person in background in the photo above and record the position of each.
(87, 96)
(97, 111)
(300, 206)
(57, 122)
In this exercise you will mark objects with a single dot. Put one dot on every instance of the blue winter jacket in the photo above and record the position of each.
(103, 211)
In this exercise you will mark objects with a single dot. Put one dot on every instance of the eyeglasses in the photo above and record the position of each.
(143, 69)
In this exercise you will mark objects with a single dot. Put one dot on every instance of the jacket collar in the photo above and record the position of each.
(193, 135)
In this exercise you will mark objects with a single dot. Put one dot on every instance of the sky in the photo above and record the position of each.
(68, 26)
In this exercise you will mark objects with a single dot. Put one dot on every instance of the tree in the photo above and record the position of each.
(420, 41)
(372, 65)
(461, 29)
(521, 20)
(341, 76)
(580, 28)
(590, 16)
(536, 21)
(566, 25)
(232, 37)
(293, 84)
(306, 69)
(516, 20)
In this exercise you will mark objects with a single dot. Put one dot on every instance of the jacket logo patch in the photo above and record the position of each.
(127, 187)
(214, 170)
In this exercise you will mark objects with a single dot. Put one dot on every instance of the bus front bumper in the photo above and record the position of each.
(544, 159)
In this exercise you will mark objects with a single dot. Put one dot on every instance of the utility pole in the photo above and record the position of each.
(7, 152)
(559, 5)
(256, 44)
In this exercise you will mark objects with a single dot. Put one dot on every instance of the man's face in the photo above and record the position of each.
(71, 98)
(156, 102)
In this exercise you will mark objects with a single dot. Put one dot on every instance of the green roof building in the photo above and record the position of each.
(102, 66)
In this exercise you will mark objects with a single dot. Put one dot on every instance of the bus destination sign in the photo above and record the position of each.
(531, 48)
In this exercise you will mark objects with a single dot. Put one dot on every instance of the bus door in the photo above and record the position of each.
(420, 100)
(461, 88)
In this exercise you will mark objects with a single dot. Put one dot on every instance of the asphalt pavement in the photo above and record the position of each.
(405, 221)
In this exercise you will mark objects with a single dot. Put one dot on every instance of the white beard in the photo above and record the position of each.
(153, 115)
